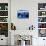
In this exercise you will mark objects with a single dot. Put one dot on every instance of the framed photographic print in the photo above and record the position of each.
(22, 14)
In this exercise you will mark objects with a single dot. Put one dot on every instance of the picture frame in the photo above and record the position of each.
(23, 14)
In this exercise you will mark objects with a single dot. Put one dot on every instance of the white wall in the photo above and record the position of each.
(24, 4)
